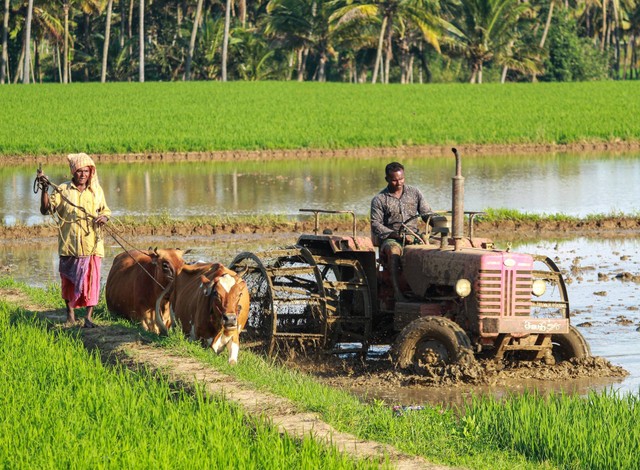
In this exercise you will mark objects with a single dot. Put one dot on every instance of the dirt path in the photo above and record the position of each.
(116, 344)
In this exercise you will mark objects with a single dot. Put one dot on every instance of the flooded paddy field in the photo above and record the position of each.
(603, 274)
(603, 277)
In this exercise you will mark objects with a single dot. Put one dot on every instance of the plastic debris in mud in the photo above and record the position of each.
(399, 410)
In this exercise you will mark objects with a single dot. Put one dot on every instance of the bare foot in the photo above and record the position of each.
(89, 324)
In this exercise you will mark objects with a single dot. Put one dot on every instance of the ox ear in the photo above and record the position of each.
(243, 271)
(206, 285)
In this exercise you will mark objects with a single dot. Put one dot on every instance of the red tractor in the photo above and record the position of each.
(463, 296)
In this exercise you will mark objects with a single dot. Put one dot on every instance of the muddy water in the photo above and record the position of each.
(605, 305)
(529, 183)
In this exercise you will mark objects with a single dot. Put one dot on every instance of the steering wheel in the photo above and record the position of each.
(405, 230)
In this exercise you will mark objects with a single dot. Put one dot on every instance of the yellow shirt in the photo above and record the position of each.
(77, 236)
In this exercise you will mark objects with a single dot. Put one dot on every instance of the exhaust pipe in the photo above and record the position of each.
(457, 209)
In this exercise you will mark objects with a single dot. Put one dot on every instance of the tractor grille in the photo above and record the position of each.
(504, 292)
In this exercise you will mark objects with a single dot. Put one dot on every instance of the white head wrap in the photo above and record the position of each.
(81, 160)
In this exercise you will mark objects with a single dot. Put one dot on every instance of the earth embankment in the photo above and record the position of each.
(617, 146)
(498, 230)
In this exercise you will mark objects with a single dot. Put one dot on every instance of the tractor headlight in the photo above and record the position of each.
(539, 287)
(463, 287)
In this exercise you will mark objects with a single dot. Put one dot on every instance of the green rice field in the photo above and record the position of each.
(207, 116)
(61, 405)
(61, 408)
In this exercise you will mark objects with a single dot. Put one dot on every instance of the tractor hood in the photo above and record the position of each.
(425, 266)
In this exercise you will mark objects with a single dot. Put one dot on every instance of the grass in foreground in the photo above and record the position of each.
(202, 116)
(525, 431)
(61, 408)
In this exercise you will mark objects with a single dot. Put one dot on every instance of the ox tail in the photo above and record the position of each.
(159, 320)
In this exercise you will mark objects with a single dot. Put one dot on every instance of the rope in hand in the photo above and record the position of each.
(42, 183)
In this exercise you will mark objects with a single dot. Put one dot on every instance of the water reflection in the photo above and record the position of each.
(575, 185)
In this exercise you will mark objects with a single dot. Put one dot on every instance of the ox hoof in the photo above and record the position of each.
(232, 362)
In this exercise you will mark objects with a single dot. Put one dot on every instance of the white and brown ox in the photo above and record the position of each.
(211, 303)
(139, 284)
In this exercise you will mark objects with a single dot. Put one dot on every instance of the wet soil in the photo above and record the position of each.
(382, 374)
(368, 152)
(504, 229)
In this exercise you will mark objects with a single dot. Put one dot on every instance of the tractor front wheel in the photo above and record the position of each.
(570, 345)
(431, 341)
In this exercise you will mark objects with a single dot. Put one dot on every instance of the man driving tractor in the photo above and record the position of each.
(391, 207)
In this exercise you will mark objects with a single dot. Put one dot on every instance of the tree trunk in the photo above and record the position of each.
(26, 69)
(59, 63)
(300, 66)
(141, 42)
(123, 22)
(243, 12)
(18, 74)
(376, 67)
(130, 29)
(105, 47)
(4, 62)
(320, 71)
(547, 24)
(387, 62)
(410, 66)
(37, 70)
(604, 24)
(632, 65)
(404, 61)
(474, 73)
(192, 42)
(87, 45)
(65, 64)
(225, 40)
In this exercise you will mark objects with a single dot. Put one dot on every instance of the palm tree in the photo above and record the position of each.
(303, 26)
(422, 14)
(486, 28)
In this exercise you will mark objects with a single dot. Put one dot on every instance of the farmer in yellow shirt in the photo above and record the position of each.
(81, 210)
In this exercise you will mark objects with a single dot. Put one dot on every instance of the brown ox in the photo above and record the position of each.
(138, 286)
(212, 304)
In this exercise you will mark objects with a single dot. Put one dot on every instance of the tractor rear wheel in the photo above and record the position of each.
(431, 341)
(571, 345)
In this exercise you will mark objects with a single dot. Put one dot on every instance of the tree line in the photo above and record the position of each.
(356, 41)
